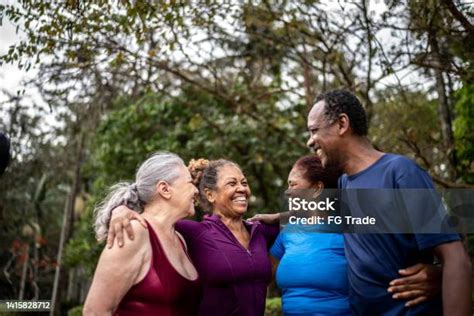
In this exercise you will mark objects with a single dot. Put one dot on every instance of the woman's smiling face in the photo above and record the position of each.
(231, 198)
(296, 179)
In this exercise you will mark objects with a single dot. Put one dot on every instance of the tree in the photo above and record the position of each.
(464, 131)
(228, 80)
(31, 195)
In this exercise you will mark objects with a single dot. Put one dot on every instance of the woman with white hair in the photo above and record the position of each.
(152, 274)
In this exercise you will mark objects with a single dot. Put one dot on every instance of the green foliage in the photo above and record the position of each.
(273, 306)
(215, 79)
(83, 250)
(195, 124)
(32, 198)
(431, 23)
(76, 311)
(464, 131)
(407, 123)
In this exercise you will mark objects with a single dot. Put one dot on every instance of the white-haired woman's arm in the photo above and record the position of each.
(117, 271)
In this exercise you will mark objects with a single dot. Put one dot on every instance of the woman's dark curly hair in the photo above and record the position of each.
(313, 171)
(205, 174)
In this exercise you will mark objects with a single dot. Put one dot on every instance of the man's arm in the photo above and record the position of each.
(456, 278)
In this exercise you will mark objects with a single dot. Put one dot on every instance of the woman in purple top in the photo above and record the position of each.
(229, 253)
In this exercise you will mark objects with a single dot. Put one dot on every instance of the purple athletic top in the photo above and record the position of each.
(234, 279)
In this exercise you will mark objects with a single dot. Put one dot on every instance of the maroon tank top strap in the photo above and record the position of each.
(159, 255)
(184, 247)
(163, 291)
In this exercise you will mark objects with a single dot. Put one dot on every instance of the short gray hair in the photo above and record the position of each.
(161, 166)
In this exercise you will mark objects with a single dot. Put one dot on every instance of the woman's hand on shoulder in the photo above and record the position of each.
(121, 220)
(128, 259)
(133, 248)
(266, 218)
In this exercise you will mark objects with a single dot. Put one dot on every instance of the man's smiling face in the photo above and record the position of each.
(323, 138)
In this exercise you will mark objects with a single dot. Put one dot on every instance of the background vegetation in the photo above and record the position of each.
(233, 79)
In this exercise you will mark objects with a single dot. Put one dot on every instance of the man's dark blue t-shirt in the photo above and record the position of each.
(374, 259)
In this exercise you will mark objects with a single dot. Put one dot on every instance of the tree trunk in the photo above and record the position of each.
(60, 280)
(39, 197)
(308, 82)
(370, 55)
(444, 111)
(35, 269)
(24, 271)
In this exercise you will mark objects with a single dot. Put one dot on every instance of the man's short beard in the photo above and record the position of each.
(334, 160)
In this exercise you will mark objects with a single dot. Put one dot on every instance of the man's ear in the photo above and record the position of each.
(163, 189)
(343, 123)
(210, 195)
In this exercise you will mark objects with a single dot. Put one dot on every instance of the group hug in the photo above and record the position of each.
(157, 262)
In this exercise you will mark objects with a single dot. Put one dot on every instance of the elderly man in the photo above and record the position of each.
(338, 134)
